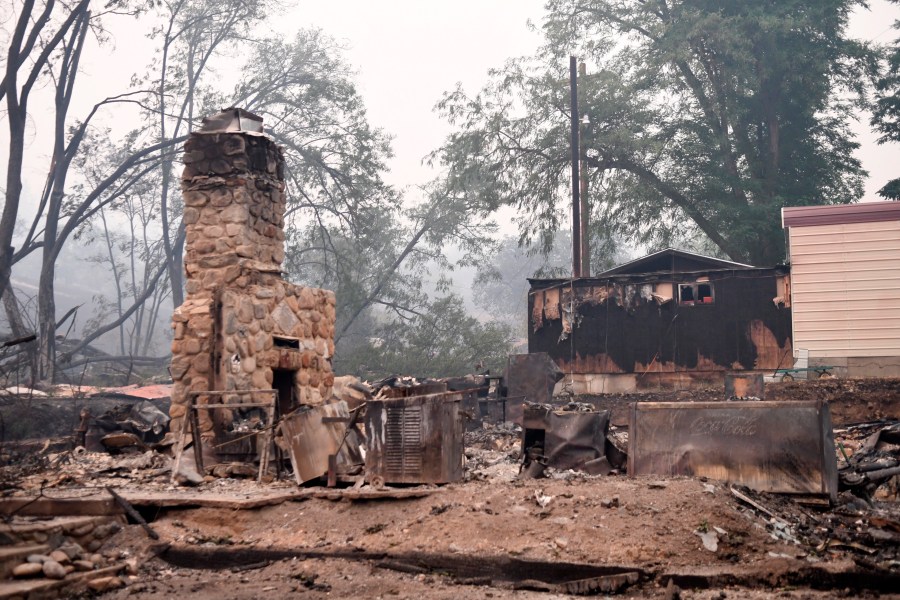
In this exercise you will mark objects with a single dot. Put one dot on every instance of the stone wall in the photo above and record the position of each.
(240, 319)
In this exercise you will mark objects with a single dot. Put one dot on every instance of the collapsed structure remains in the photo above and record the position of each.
(242, 327)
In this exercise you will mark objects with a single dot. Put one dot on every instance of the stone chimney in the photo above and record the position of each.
(243, 327)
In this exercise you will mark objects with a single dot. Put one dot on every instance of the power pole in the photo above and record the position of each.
(585, 212)
(576, 198)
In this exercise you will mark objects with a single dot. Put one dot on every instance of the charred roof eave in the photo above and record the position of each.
(651, 262)
(660, 276)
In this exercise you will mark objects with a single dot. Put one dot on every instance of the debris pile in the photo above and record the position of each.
(868, 532)
(870, 460)
(570, 438)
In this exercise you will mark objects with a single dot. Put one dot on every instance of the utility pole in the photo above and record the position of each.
(585, 212)
(576, 183)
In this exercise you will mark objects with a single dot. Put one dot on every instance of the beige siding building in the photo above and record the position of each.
(845, 286)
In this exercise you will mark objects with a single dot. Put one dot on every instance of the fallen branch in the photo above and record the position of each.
(131, 512)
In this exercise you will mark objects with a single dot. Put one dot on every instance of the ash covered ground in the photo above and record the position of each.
(496, 536)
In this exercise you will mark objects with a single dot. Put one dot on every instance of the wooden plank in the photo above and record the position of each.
(13, 552)
(383, 494)
(235, 501)
(782, 447)
(57, 507)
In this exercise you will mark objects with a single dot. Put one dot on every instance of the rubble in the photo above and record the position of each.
(870, 460)
(571, 438)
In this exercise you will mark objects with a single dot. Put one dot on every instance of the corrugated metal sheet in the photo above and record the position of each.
(867, 212)
(846, 289)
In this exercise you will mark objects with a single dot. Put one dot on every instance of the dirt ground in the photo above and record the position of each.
(850, 400)
(494, 536)
(654, 529)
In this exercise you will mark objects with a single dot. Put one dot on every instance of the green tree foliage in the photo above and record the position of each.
(706, 117)
(886, 113)
(441, 340)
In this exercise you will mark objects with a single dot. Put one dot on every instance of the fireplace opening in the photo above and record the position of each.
(283, 382)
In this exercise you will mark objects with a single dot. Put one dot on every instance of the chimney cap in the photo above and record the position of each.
(233, 119)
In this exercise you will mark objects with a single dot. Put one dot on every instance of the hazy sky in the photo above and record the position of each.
(407, 53)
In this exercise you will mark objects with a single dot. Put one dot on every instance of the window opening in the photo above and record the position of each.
(690, 294)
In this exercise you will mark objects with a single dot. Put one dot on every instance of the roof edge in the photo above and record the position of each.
(718, 261)
(839, 214)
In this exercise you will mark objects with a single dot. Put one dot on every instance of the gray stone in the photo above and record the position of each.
(72, 550)
(54, 570)
(285, 319)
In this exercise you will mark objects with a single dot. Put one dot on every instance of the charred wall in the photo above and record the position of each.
(637, 324)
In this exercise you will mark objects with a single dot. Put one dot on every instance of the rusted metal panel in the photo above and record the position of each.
(529, 378)
(418, 439)
(783, 447)
(313, 434)
(569, 438)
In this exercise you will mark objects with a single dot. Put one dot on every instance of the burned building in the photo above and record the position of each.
(242, 327)
(668, 319)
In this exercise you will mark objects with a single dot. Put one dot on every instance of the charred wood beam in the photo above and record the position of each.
(128, 360)
(19, 340)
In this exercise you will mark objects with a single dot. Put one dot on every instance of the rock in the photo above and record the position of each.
(673, 592)
(29, 569)
(561, 543)
(94, 545)
(610, 502)
(60, 557)
(710, 540)
(37, 558)
(104, 531)
(104, 584)
(97, 559)
(82, 530)
(54, 570)
(131, 566)
(83, 565)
